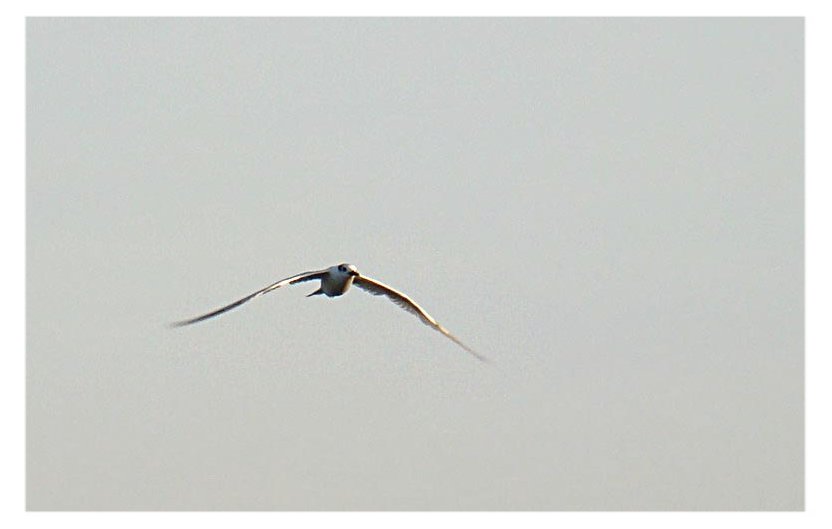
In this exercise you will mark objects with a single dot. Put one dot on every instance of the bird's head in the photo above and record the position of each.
(345, 269)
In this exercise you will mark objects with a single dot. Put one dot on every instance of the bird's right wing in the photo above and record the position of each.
(306, 276)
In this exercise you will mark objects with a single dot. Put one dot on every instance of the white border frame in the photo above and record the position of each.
(818, 31)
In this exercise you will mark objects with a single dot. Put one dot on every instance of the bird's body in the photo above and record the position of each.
(336, 281)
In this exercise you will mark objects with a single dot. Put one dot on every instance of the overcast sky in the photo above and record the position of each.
(609, 209)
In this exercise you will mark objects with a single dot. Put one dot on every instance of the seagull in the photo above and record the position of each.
(336, 281)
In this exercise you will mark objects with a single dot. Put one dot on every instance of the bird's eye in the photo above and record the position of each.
(341, 268)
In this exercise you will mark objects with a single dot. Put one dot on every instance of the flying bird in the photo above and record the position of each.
(336, 281)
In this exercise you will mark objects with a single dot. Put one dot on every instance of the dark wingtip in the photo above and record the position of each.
(480, 357)
(177, 324)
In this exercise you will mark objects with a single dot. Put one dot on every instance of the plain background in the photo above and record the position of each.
(610, 209)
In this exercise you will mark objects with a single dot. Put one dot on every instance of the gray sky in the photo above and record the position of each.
(610, 209)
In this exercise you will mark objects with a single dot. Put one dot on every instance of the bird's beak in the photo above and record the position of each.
(353, 273)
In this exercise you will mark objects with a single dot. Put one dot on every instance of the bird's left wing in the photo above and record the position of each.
(377, 288)
(306, 276)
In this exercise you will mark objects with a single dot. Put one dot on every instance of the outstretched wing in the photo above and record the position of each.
(380, 289)
(306, 276)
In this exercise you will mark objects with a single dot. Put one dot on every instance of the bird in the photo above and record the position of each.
(336, 281)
